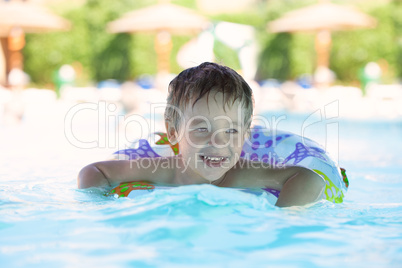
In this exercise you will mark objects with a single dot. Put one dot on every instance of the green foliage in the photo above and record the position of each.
(302, 55)
(143, 55)
(225, 55)
(102, 55)
(352, 50)
(396, 11)
(112, 61)
(283, 56)
(275, 57)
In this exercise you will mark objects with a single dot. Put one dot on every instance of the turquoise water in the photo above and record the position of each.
(46, 222)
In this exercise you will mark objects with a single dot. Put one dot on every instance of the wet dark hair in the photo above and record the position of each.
(194, 83)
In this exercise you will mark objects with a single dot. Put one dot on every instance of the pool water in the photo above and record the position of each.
(46, 222)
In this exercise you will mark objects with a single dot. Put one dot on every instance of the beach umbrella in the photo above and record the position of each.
(322, 18)
(30, 17)
(163, 19)
(17, 18)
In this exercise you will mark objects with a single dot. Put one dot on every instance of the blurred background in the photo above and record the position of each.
(298, 56)
(80, 79)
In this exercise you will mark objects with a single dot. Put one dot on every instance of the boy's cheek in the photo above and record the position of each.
(196, 141)
(237, 143)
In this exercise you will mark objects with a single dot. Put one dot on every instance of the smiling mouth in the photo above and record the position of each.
(214, 161)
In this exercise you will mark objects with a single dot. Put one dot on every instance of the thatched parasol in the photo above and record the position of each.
(163, 19)
(322, 18)
(30, 17)
(17, 18)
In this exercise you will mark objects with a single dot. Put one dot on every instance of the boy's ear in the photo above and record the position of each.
(171, 133)
(248, 133)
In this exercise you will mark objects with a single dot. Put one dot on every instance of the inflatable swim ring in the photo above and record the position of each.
(279, 149)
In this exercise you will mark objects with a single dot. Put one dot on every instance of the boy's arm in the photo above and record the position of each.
(302, 188)
(91, 176)
(107, 173)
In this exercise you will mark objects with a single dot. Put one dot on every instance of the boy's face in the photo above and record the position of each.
(213, 137)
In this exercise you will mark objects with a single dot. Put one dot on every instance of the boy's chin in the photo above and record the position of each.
(212, 178)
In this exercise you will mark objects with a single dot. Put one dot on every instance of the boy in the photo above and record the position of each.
(208, 115)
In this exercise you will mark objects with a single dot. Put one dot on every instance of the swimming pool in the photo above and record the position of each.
(46, 222)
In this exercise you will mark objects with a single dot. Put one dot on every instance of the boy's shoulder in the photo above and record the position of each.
(157, 169)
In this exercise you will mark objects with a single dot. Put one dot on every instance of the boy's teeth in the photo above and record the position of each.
(214, 158)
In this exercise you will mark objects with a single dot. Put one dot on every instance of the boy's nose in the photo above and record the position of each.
(219, 138)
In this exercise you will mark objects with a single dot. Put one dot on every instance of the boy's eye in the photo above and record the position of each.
(202, 129)
(232, 131)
